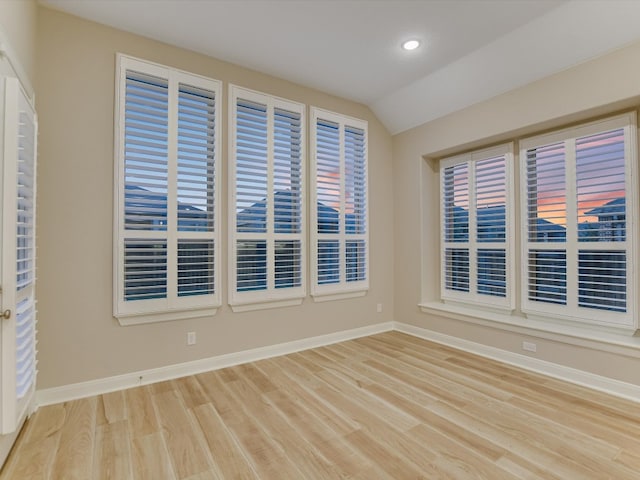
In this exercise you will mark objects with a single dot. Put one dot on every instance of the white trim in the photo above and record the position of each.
(250, 307)
(170, 307)
(270, 296)
(342, 288)
(327, 297)
(8, 53)
(595, 338)
(590, 380)
(74, 391)
(7, 442)
(571, 246)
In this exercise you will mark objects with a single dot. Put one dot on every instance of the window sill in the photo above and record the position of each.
(263, 305)
(126, 320)
(328, 297)
(622, 342)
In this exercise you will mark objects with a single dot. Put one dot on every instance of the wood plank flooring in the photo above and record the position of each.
(388, 406)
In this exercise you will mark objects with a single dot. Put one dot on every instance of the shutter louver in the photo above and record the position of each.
(288, 258)
(146, 134)
(328, 262)
(457, 274)
(25, 347)
(251, 269)
(578, 213)
(328, 176)
(267, 177)
(548, 276)
(546, 194)
(167, 205)
(196, 267)
(476, 225)
(600, 178)
(145, 269)
(25, 315)
(456, 201)
(340, 205)
(196, 160)
(355, 181)
(251, 167)
(287, 172)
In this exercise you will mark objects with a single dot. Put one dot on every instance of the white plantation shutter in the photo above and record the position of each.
(166, 180)
(477, 227)
(266, 175)
(339, 209)
(18, 328)
(580, 215)
(25, 254)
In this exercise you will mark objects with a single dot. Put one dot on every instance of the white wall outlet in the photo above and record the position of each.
(379, 308)
(191, 338)
(529, 346)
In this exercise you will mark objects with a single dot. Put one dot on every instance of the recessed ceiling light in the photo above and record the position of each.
(411, 44)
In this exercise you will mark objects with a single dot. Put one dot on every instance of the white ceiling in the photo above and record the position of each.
(472, 49)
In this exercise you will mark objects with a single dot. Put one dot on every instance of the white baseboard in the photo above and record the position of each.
(597, 382)
(105, 385)
(110, 384)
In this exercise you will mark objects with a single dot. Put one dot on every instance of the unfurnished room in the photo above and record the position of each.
(319, 239)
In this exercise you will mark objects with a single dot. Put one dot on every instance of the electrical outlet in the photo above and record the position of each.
(529, 346)
(191, 338)
(379, 308)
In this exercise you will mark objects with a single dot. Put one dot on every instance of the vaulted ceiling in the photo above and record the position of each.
(471, 49)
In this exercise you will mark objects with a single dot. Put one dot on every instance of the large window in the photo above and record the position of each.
(578, 215)
(477, 228)
(166, 182)
(267, 208)
(339, 231)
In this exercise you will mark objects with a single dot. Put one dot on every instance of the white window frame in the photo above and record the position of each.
(271, 297)
(343, 288)
(571, 313)
(172, 307)
(472, 297)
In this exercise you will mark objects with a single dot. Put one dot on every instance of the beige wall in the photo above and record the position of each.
(604, 85)
(79, 340)
(18, 20)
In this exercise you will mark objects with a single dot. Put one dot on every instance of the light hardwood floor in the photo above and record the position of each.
(388, 406)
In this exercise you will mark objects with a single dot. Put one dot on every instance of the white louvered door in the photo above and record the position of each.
(18, 310)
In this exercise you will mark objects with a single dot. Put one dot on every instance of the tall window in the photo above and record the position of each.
(167, 149)
(267, 220)
(477, 230)
(578, 222)
(339, 232)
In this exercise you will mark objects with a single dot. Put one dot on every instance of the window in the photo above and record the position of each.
(339, 232)
(166, 213)
(477, 228)
(267, 217)
(578, 220)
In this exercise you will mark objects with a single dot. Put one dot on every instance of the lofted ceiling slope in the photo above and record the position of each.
(471, 50)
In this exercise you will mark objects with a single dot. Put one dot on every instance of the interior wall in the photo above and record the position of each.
(607, 84)
(79, 339)
(18, 20)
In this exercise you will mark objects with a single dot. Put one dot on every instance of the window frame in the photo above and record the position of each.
(472, 297)
(271, 297)
(574, 314)
(342, 289)
(172, 307)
